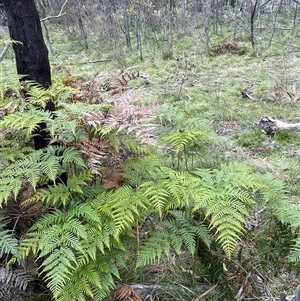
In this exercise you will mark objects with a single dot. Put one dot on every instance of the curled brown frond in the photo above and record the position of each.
(126, 293)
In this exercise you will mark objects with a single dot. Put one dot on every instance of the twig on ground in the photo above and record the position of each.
(205, 293)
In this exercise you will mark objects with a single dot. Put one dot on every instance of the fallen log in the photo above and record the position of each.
(270, 125)
(139, 292)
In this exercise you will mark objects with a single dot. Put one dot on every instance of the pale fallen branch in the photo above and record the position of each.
(149, 291)
(270, 125)
(3, 52)
(205, 293)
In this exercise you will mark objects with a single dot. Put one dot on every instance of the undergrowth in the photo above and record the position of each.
(151, 188)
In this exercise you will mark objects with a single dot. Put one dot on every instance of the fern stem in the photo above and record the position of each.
(195, 257)
(192, 160)
(185, 158)
(137, 233)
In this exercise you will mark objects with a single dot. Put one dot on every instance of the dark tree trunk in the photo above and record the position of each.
(25, 27)
(32, 55)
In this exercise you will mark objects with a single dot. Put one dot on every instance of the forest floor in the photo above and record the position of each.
(230, 87)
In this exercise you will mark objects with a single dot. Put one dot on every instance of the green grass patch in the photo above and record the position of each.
(287, 138)
(253, 138)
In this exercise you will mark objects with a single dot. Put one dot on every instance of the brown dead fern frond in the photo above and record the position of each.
(121, 82)
(94, 119)
(96, 152)
(89, 91)
(126, 77)
(105, 82)
(126, 293)
(126, 110)
(132, 118)
(126, 115)
(131, 95)
(13, 279)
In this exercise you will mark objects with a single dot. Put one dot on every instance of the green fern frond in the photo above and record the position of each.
(226, 196)
(10, 152)
(111, 137)
(157, 245)
(50, 166)
(188, 229)
(177, 232)
(124, 206)
(52, 196)
(77, 182)
(139, 169)
(277, 197)
(182, 115)
(183, 188)
(27, 121)
(179, 235)
(37, 164)
(38, 95)
(294, 256)
(80, 109)
(72, 155)
(67, 128)
(92, 280)
(57, 92)
(7, 83)
(8, 242)
(131, 142)
(9, 186)
(74, 247)
(170, 189)
(157, 195)
(184, 139)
